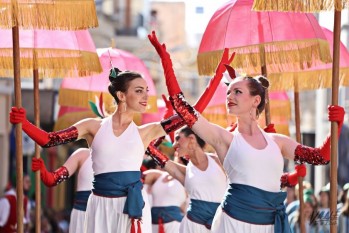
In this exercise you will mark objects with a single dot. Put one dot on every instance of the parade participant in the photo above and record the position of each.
(253, 159)
(116, 202)
(168, 198)
(80, 161)
(8, 208)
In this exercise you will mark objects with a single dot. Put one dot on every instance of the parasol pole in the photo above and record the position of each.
(37, 151)
(334, 126)
(18, 103)
(299, 139)
(264, 73)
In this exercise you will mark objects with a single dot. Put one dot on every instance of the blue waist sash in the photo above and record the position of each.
(166, 213)
(202, 212)
(252, 205)
(80, 200)
(122, 184)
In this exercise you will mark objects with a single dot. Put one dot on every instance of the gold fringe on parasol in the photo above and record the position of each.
(299, 5)
(279, 56)
(306, 80)
(67, 14)
(80, 98)
(51, 63)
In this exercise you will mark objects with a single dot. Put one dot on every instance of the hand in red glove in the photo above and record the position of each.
(336, 114)
(171, 81)
(169, 109)
(214, 82)
(50, 179)
(18, 115)
(291, 179)
(270, 128)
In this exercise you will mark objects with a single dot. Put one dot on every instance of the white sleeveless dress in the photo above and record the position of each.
(171, 193)
(84, 183)
(258, 168)
(115, 154)
(209, 185)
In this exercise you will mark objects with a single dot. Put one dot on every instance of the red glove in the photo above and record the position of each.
(171, 81)
(291, 179)
(270, 128)
(50, 179)
(41, 137)
(214, 82)
(321, 155)
(160, 158)
(18, 115)
(168, 113)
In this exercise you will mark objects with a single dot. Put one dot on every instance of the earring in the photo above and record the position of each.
(257, 113)
(125, 106)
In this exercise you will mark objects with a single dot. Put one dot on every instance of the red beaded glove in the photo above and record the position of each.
(41, 137)
(291, 179)
(160, 158)
(50, 179)
(321, 155)
(168, 113)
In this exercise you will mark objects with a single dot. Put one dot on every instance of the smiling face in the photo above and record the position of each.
(136, 96)
(181, 144)
(239, 100)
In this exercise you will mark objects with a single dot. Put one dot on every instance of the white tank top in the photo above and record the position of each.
(209, 185)
(171, 193)
(85, 175)
(258, 168)
(114, 154)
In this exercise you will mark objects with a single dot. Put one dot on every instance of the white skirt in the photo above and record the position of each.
(106, 215)
(223, 223)
(171, 227)
(188, 226)
(77, 220)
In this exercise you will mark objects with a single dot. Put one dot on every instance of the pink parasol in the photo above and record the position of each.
(78, 91)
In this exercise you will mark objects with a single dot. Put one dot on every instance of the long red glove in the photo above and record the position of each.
(160, 158)
(291, 179)
(168, 113)
(50, 179)
(321, 155)
(44, 139)
(269, 128)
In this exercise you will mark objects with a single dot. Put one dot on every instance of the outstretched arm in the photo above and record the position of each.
(305, 154)
(73, 163)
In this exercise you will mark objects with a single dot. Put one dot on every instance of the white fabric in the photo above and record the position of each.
(115, 154)
(171, 193)
(258, 168)
(171, 227)
(222, 223)
(85, 176)
(188, 226)
(77, 220)
(247, 165)
(5, 208)
(209, 185)
(106, 215)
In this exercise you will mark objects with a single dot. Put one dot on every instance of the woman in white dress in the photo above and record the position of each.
(80, 161)
(168, 200)
(253, 159)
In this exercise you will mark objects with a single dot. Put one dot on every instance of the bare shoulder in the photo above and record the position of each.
(81, 153)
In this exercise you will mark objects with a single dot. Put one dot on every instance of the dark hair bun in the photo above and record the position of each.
(114, 72)
(263, 80)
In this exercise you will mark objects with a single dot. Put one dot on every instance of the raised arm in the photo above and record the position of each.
(218, 137)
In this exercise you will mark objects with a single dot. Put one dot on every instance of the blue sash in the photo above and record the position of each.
(121, 184)
(80, 200)
(167, 213)
(252, 205)
(202, 212)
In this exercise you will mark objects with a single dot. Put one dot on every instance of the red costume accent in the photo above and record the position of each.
(160, 158)
(185, 110)
(321, 155)
(291, 179)
(11, 224)
(50, 179)
(44, 139)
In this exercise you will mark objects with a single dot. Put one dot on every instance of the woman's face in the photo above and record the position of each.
(239, 100)
(181, 144)
(137, 95)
